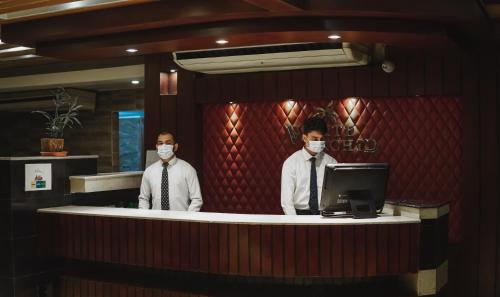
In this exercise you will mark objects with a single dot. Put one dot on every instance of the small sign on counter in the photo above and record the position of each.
(38, 177)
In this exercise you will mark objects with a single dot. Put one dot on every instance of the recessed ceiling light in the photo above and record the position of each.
(135, 82)
(173, 70)
(334, 36)
(132, 50)
(221, 41)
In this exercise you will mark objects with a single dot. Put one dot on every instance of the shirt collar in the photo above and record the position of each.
(170, 163)
(308, 156)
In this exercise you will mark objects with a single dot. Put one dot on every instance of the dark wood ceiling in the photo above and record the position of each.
(168, 25)
(15, 58)
(22, 10)
(12, 55)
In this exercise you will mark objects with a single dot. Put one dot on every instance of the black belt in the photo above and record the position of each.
(305, 212)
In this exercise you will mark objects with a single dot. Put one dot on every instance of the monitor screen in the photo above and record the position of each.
(358, 181)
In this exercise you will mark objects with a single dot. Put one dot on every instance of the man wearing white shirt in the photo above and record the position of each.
(172, 182)
(302, 173)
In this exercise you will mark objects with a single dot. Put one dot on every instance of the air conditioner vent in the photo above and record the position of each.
(258, 50)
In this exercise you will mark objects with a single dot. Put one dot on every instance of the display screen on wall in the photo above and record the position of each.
(131, 134)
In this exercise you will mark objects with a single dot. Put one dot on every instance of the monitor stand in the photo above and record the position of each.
(363, 209)
(361, 205)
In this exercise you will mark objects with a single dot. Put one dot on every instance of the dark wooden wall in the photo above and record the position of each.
(481, 257)
(178, 114)
(414, 76)
(473, 76)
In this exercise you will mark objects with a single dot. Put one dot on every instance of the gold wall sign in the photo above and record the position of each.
(345, 137)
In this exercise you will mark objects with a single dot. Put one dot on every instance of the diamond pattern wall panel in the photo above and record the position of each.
(245, 144)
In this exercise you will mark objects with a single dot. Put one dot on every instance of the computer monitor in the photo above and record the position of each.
(358, 189)
(151, 157)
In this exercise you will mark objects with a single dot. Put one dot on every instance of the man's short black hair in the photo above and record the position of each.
(167, 133)
(315, 124)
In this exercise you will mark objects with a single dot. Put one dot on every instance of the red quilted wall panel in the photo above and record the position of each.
(245, 144)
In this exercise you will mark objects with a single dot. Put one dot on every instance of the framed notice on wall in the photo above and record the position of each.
(38, 177)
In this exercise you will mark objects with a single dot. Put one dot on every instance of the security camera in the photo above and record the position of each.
(388, 66)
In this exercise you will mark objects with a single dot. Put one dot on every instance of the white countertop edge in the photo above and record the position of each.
(228, 218)
(100, 176)
(29, 158)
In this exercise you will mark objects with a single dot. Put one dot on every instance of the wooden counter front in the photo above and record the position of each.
(231, 244)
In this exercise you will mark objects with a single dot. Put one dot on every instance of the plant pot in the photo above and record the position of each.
(51, 146)
(54, 154)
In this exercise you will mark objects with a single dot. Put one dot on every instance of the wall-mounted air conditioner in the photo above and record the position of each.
(274, 57)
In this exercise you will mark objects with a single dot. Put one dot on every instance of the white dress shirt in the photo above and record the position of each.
(295, 177)
(183, 186)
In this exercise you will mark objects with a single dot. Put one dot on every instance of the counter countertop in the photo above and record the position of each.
(30, 158)
(231, 218)
(107, 175)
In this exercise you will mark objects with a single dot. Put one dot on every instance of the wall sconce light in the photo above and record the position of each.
(168, 82)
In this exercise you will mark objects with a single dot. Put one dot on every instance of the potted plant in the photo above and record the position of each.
(65, 115)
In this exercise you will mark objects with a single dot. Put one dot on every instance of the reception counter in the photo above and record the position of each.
(270, 246)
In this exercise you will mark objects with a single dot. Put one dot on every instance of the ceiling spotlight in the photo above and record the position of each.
(135, 82)
(173, 70)
(221, 41)
(132, 50)
(334, 36)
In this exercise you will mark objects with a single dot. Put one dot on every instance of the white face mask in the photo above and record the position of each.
(316, 146)
(165, 151)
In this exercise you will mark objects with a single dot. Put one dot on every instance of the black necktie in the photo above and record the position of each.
(313, 188)
(165, 203)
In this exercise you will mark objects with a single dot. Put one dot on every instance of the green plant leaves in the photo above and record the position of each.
(65, 114)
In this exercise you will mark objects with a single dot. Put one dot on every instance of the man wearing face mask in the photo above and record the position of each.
(172, 182)
(302, 173)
